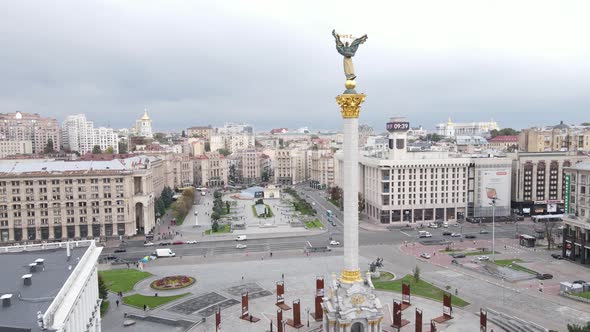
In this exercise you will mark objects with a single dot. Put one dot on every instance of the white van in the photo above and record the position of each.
(422, 234)
(164, 253)
(241, 238)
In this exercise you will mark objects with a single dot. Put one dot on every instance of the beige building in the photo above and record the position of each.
(177, 169)
(290, 166)
(249, 162)
(13, 148)
(322, 168)
(576, 235)
(30, 127)
(504, 143)
(55, 200)
(538, 181)
(211, 170)
(556, 138)
(200, 131)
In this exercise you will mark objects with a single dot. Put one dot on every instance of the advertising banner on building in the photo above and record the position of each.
(495, 184)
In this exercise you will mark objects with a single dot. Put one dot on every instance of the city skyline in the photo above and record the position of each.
(250, 63)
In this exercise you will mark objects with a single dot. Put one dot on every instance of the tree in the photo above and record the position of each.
(549, 233)
(103, 294)
(578, 328)
(96, 149)
(161, 138)
(225, 152)
(227, 206)
(110, 150)
(49, 147)
(215, 216)
(503, 132)
(207, 147)
(585, 124)
(335, 194)
(122, 147)
(214, 226)
(416, 273)
(433, 137)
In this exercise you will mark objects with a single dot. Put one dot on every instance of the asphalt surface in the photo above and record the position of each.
(391, 236)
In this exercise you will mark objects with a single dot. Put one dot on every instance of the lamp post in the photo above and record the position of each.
(493, 204)
(307, 311)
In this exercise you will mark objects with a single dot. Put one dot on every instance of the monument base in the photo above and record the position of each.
(283, 306)
(251, 320)
(350, 304)
(404, 323)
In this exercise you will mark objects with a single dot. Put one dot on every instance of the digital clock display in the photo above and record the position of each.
(398, 126)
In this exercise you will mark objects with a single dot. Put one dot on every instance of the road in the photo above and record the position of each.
(392, 236)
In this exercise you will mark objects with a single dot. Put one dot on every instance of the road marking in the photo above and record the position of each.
(309, 244)
(405, 233)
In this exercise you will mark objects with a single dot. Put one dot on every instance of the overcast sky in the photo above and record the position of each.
(273, 63)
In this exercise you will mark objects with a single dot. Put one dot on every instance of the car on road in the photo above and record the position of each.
(164, 243)
(544, 276)
(446, 225)
(433, 225)
(148, 244)
(456, 225)
(241, 246)
(581, 282)
(483, 258)
(177, 242)
(118, 250)
(425, 255)
(557, 256)
(241, 238)
(334, 243)
(470, 236)
(447, 233)
(456, 234)
(483, 231)
(191, 242)
(458, 255)
(422, 234)
(111, 257)
(333, 223)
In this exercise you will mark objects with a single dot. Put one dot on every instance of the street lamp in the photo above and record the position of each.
(493, 204)
(307, 311)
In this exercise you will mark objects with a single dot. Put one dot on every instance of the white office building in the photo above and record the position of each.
(429, 186)
(79, 134)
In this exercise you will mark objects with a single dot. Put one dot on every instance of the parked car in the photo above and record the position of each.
(483, 231)
(544, 276)
(483, 258)
(334, 243)
(191, 242)
(148, 244)
(581, 282)
(456, 225)
(241, 238)
(425, 255)
(241, 246)
(447, 233)
(458, 255)
(557, 256)
(454, 261)
(164, 243)
(111, 257)
(333, 224)
(177, 242)
(456, 234)
(470, 236)
(120, 250)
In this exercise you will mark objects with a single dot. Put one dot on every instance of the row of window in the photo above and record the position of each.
(56, 182)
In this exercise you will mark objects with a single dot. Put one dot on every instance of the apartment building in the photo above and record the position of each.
(576, 235)
(79, 134)
(504, 143)
(30, 127)
(55, 200)
(538, 184)
(211, 169)
(290, 166)
(561, 137)
(200, 131)
(249, 166)
(13, 148)
(322, 169)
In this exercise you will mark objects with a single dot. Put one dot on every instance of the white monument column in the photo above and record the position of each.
(350, 103)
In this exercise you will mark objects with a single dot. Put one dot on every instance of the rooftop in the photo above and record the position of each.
(582, 166)
(506, 138)
(46, 283)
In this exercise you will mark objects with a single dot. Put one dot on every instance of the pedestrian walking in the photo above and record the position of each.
(144, 307)
(117, 302)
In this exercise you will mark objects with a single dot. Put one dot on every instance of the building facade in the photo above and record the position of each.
(576, 235)
(504, 143)
(451, 129)
(560, 137)
(211, 170)
(429, 186)
(538, 184)
(79, 134)
(322, 169)
(200, 131)
(13, 148)
(30, 127)
(250, 166)
(59, 200)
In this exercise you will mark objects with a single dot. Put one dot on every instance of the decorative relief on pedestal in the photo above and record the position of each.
(350, 276)
(350, 104)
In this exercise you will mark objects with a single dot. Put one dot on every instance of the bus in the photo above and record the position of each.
(329, 213)
(548, 217)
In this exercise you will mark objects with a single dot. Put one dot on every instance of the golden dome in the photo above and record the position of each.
(145, 116)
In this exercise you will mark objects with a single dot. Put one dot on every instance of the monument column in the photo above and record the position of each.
(350, 104)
